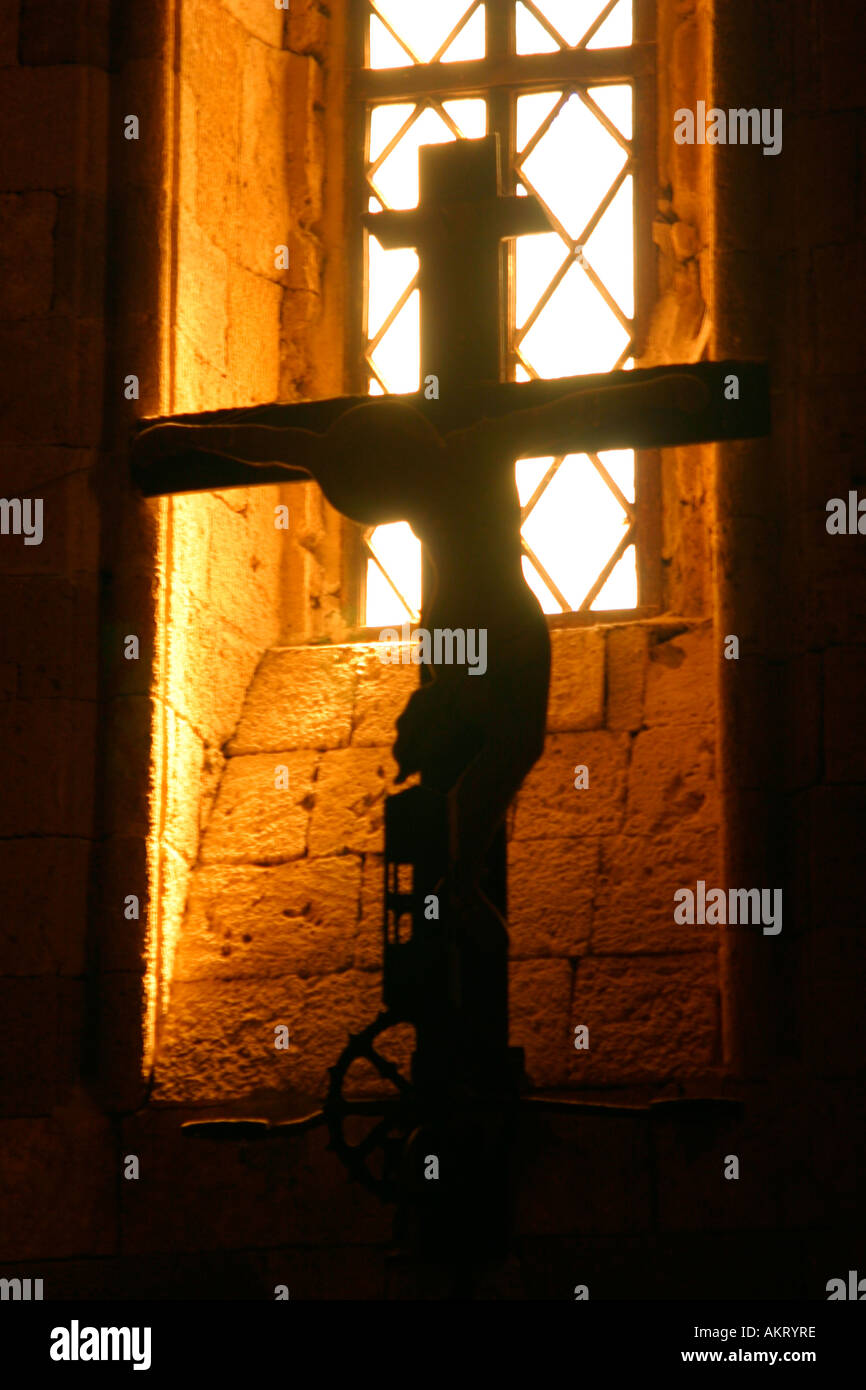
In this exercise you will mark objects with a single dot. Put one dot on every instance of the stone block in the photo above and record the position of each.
(70, 514)
(840, 283)
(254, 821)
(681, 679)
(51, 633)
(648, 1019)
(49, 767)
(60, 1179)
(550, 896)
(219, 1036)
(210, 667)
(27, 223)
(9, 23)
(627, 660)
(830, 831)
(185, 756)
(298, 919)
(125, 732)
(52, 389)
(549, 805)
(244, 563)
(202, 293)
(268, 147)
(200, 385)
(212, 60)
(308, 28)
(43, 906)
(671, 780)
(301, 697)
(539, 1020)
(584, 1173)
(381, 695)
(817, 190)
(576, 698)
(122, 871)
(253, 336)
(29, 1031)
(76, 33)
(53, 128)
(295, 1194)
(305, 133)
(634, 899)
(833, 967)
(844, 736)
(264, 21)
(349, 810)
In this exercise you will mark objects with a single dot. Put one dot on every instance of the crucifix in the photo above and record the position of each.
(447, 466)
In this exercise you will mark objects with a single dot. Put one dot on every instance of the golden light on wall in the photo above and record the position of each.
(574, 288)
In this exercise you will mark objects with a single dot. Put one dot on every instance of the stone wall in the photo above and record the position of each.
(285, 916)
(634, 1206)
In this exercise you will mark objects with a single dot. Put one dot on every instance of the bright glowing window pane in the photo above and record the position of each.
(620, 590)
(399, 553)
(573, 165)
(424, 27)
(574, 527)
(583, 324)
(572, 19)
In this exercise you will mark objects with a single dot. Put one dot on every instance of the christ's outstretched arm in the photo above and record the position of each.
(577, 421)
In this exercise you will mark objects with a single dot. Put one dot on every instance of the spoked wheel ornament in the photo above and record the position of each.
(374, 1158)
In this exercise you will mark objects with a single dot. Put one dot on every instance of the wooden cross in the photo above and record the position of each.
(447, 466)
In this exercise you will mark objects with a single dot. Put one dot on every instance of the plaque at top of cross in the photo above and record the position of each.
(458, 229)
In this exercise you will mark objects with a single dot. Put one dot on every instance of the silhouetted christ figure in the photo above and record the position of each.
(471, 737)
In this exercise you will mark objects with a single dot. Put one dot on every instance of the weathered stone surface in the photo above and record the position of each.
(670, 779)
(382, 693)
(53, 381)
(549, 805)
(219, 1038)
(222, 658)
(59, 1189)
(51, 632)
(202, 293)
(295, 1193)
(43, 906)
(49, 767)
(269, 148)
(244, 562)
(634, 899)
(301, 697)
(539, 994)
(253, 821)
(648, 1019)
(349, 810)
(29, 1035)
(76, 33)
(185, 754)
(585, 1173)
(681, 679)
(550, 896)
(263, 20)
(844, 732)
(627, 659)
(26, 254)
(296, 919)
(253, 336)
(50, 115)
(576, 679)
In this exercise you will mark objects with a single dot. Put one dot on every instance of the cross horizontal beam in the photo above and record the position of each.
(747, 417)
